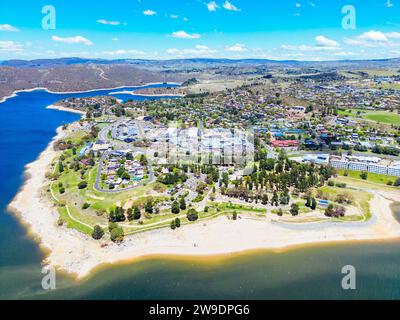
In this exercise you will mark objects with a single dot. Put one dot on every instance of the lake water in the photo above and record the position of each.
(310, 272)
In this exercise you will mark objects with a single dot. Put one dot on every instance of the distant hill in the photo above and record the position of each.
(40, 63)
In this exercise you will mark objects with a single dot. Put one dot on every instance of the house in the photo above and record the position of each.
(285, 143)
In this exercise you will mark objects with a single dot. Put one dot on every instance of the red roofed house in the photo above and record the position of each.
(285, 143)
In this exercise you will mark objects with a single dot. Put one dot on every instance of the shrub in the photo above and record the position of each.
(364, 175)
(82, 185)
(341, 185)
(175, 207)
(294, 209)
(85, 206)
(331, 183)
(234, 215)
(335, 211)
(112, 225)
(344, 198)
(192, 215)
(97, 233)
(117, 234)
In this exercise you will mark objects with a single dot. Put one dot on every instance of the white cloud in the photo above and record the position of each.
(112, 23)
(212, 6)
(173, 16)
(185, 19)
(298, 5)
(8, 27)
(199, 50)
(393, 35)
(10, 46)
(149, 12)
(122, 52)
(312, 4)
(238, 47)
(307, 48)
(229, 6)
(325, 42)
(296, 14)
(373, 39)
(73, 40)
(374, 36)
(184, 35)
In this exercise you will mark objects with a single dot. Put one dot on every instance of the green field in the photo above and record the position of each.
(372, 177)
(377, 116)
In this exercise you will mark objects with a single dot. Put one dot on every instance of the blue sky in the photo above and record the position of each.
(163, 29)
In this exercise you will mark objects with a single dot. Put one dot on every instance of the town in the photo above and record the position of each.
(272, 148)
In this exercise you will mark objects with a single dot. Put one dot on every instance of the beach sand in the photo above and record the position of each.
(61, 108)
(79, 254)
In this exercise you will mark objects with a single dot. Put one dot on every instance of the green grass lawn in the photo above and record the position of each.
(384, 117)
(372, 177)
(377, 116)
(72, 223)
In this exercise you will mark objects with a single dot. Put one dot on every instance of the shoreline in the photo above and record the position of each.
(15, 92)
(80, 255)
(61, 108)
(148, 95)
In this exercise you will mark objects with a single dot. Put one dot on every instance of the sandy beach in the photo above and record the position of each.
(148, 95)
(79, 254)
(61, 108)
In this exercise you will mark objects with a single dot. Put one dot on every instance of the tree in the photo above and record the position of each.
(264, 199)
(192, 215)
(129, 156)
(275, 199)
(294, 209)
(280, 212)
(112, 225)
(85, 206)
(234, 215)
(182, 204)
(313, 204)
(330, 210)
(143, 160)
(117, 234)
(149, 207)
(130, 214)
(136, 213)
(178, 222)
(117, 215)
(175, 207)
(82, 185)
(308, 202)
(60, 167)
(364, 175)
(173, 225)
(97, 233)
